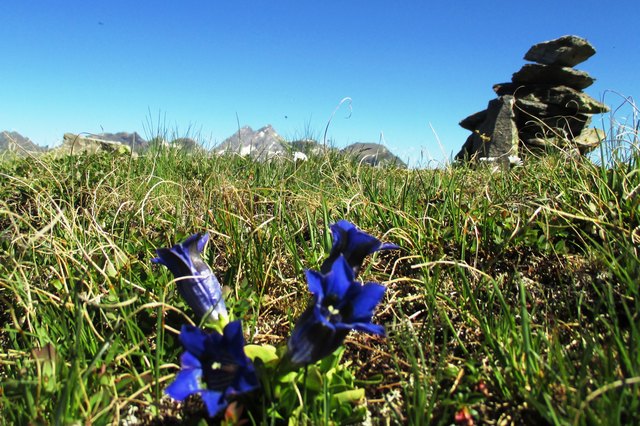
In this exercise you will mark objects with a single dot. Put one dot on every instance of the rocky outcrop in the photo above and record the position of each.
(262, 144)
(133, 140)
(542, 107)
(73, 144)
(373, 154)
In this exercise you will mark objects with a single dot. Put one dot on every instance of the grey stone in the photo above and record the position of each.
(497, 136)
(534, 143)
(474, 120)
(538, 108)
(553, 74)
(506, 88)
(547, 144)
(568, 99)
(73, 144)
(589, 139)
(136, 142)
(548, 120)
(566, 51)
(466, 152)
(566, 126)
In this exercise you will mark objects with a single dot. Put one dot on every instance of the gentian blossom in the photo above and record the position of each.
(353, 244)
(340, 305)
(195, 281)
(214, 366)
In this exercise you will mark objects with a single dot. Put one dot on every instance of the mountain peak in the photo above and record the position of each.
(261, 144)
(14, 141)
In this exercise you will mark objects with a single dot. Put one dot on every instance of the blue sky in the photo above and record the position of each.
(413, 69)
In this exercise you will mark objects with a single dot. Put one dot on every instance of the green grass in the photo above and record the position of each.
(514, 297)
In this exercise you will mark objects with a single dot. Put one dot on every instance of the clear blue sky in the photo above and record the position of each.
(409, 67)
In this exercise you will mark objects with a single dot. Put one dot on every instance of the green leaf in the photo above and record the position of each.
(290, 377)
(265, 353)
(313, 379)
(353, 396)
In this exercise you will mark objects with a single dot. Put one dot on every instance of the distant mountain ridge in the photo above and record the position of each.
(373, 154)
(14, 141)
(262, 144)
(266, 143)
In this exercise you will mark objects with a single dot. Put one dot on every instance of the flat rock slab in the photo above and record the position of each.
(474, 121)
(589, 139)
(553, 74)
(585, 142)
(566, 51)
(571, 100)
(567, 126)
(75, 144)
(539, 109)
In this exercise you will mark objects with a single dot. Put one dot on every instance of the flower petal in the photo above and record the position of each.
(186, 383)
(234, 342)
(339, 279)
(368, 327)
(192, 247)
(214, 401)
(245, 383)
(353, 244)
(203, 294)
(214, 365)
(195, 281)
(177, 264)
(310, 338)
(190, 362)
(194, 340)
(202, 240)
(364, 300)
(314, 281)
(388, 246)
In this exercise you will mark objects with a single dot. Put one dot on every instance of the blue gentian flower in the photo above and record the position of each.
(353, 244)
(340, 305)
(194, 279)
(214, 366)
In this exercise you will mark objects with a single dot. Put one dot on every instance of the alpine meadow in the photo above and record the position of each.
(182, 287)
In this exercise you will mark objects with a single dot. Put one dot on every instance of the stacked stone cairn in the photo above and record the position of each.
(543, 107)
